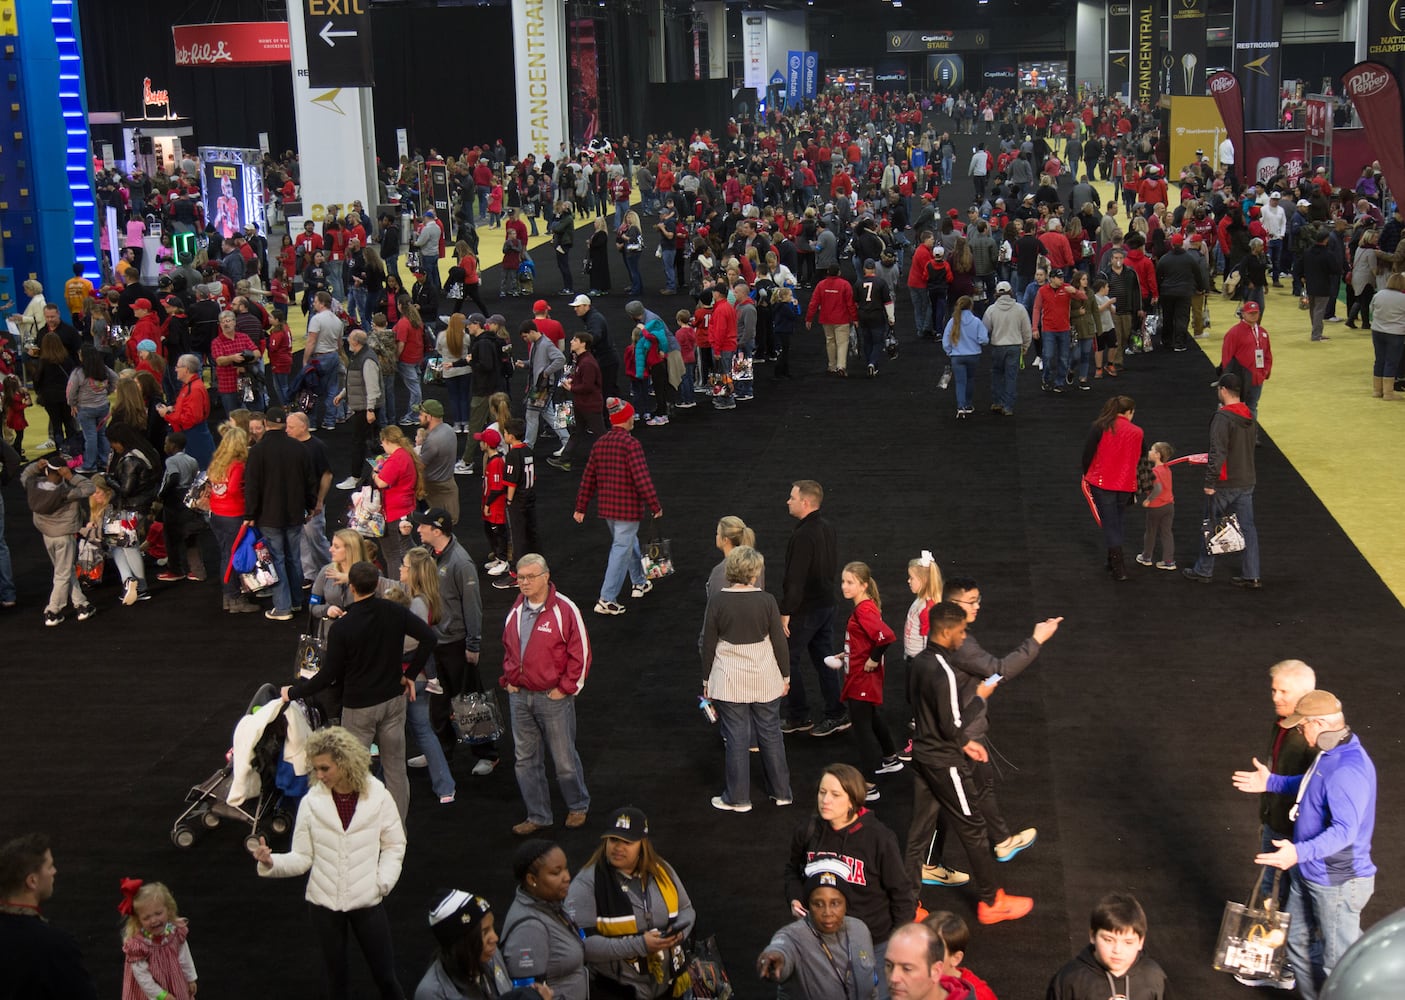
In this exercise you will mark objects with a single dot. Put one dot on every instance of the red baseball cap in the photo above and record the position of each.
(489, 437)
(142, 304)
(1177, 239)
(541, 306)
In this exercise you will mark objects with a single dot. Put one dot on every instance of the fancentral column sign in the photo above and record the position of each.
(1146, 34)
(1258, 27)
(754, 49)
(539, 61)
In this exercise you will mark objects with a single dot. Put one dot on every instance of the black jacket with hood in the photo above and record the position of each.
(1085, 978)
(1232, 434)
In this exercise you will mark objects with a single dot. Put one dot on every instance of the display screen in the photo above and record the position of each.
(851, 78)
(1044, 75)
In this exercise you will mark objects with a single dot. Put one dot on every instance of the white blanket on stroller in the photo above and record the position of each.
(246, 783)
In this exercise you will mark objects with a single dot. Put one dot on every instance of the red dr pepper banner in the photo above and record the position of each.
(234, 43)
(1224, 88)
(1373, 89)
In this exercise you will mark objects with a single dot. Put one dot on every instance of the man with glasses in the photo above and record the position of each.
(1328, 856)
(977, 674)
(546, 658)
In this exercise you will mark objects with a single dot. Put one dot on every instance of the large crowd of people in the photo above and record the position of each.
(179, 404)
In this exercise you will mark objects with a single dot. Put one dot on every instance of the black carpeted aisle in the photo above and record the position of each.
(1123, 734)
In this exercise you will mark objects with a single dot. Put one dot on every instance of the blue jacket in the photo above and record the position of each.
(967, 340)
(1336, 814)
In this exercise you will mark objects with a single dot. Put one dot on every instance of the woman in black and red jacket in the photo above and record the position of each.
(1110, 458)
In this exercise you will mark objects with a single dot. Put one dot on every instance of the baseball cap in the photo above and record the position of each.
(1003, 288)
(541, 306)
(1304, 203)
(953, 213)
(1275, 194)
(1230, 381)
(1312, 705)
(580, 300)
(431, 406)
(172, 302)
(436, 516)
(1250, 307)
(620, 412)
(498, 319)
(870, 264)
(938, 251)
(476, 319)
(1177, 239)
(634, 308)
(142, 304)
(489, 437)
(628, 824)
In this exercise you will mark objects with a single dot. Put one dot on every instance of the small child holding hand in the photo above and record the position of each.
(1160, 507)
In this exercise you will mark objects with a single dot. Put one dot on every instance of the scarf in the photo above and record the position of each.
(615, 918)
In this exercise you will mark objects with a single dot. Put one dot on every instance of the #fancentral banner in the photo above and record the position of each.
(1145, 39)
(1258, 28)
(539, 62)
(940, 40)
(1187, 69)
(234, 43)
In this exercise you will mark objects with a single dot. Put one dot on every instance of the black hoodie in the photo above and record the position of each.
(1085, 978)
(880, 891)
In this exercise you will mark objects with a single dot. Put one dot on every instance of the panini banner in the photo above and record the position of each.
(1258, 28)
(1187, 23)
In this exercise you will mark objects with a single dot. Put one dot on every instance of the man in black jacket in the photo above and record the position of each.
(807, 610)
(1229, 481)
(484, 363)
(40, 960)
(390, 244)
(1179, 281)
(364, 650)
(279, 492)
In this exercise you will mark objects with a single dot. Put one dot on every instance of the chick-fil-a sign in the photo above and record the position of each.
(233, 43)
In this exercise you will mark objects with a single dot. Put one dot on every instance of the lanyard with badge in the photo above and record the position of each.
(1258, 350)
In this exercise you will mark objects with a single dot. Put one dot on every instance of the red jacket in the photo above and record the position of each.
(865, 632)
(833, 299)
(1114, 465)
(494, 490)
(1241, 343)
(558, 654)
(1057, 247)
(917, 274)
(722, 327)
(1145, 267)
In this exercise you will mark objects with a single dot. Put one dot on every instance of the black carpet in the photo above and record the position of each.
(1123, 734)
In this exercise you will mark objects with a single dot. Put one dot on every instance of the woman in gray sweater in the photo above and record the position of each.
(746, 670)
(540, 941)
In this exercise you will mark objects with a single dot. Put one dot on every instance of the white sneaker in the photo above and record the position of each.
(349, 483)
(1288, 982)
(417, 761)
(432, 686)
(484, 767)
(890, 765)
(641, 589)
(1007, 849)
(129, 593)
(463, 469)
(497, 567)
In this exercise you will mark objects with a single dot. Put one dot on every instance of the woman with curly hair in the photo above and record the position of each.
(349, 836)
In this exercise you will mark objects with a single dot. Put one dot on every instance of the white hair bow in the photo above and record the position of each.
(926, 559)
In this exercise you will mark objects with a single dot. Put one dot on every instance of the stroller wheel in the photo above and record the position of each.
(183, 836)
(209, 817)
(251, 842)
(281, 823)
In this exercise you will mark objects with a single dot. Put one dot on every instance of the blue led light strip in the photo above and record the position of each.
(78, 157)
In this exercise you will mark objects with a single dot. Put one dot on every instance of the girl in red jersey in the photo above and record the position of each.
(867, 637)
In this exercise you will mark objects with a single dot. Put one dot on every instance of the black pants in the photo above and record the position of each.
(589, 426)
(1175, 319)
(363, 431)
(609, 379)
(182, 528)
(955, 792)
(663, 389)
(997, 830)
(456, 676)
(372, 929)
(62, 424)
(497, 538)
(522, 528)
(875, 742)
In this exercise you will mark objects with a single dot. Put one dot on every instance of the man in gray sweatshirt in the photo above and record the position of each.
(1010, 336)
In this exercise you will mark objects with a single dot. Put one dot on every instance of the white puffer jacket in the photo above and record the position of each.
(352, 868)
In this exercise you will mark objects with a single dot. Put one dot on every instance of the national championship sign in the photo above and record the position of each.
(1385, 34)
(1187, 20)
(235, 43)
(937, 41)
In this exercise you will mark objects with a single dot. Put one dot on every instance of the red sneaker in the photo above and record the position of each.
(1004, 908)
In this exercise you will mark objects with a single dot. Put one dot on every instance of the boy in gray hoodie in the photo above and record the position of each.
(56, 495)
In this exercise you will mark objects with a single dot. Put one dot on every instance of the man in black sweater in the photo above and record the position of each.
(280, 491)
(363, 657)
(940, 752)
(1179, 279)
(40, 960)
(807, 610)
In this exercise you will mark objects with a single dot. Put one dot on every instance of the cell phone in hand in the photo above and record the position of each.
(994, 679)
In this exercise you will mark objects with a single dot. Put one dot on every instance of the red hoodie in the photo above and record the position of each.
(833, 299)
(979, 989)
(1145, 267)
(722, 328)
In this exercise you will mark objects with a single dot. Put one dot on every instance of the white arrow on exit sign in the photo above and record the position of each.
(327, 34)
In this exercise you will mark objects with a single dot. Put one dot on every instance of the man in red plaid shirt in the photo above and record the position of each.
(617, 472)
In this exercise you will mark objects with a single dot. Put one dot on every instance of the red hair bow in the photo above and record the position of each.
(129, 893)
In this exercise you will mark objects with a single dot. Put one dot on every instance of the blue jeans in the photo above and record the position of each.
(1389, 348)
(941, 312)
(482, 190)
(639, 396)
(921, 309)
(813, 632)
(873, 334)
(964, 367)
(1055, 349)
(356, 305)
(459, 398)
(538, 723)
(1004, 375)
(1083, 352)
(231, 401)
(1331, 911)
(7, 571)
(279, 385)
(226, 530)
(670, 268)
(636, 280)
(93, 421)
(1239, 502)
(1112, 507)
(1251, 397)
(285, 546)
(621, 207)
(625, 558)
(316, 549)
(441, 779)
(329, 370)
(741, 723)
(410, 379)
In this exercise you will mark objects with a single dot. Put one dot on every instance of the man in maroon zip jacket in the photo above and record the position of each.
(586, 401)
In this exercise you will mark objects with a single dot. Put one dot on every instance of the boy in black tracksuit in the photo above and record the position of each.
(940, 749)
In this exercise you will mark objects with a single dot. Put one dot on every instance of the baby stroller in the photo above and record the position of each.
(262, 779)
(306, 390)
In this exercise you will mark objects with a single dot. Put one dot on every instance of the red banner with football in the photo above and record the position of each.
(1373, 89)
(233, 43)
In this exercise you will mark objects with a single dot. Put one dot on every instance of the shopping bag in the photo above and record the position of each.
(91, 560)
(658, 558)
(708, 972)
(366, 516)
(477, 718)
(1253, 940)
(890, 343)
(1151, 327)
(311, 649)
(197, 496)
(1223, 535)
(263, 574)
(121, 529)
